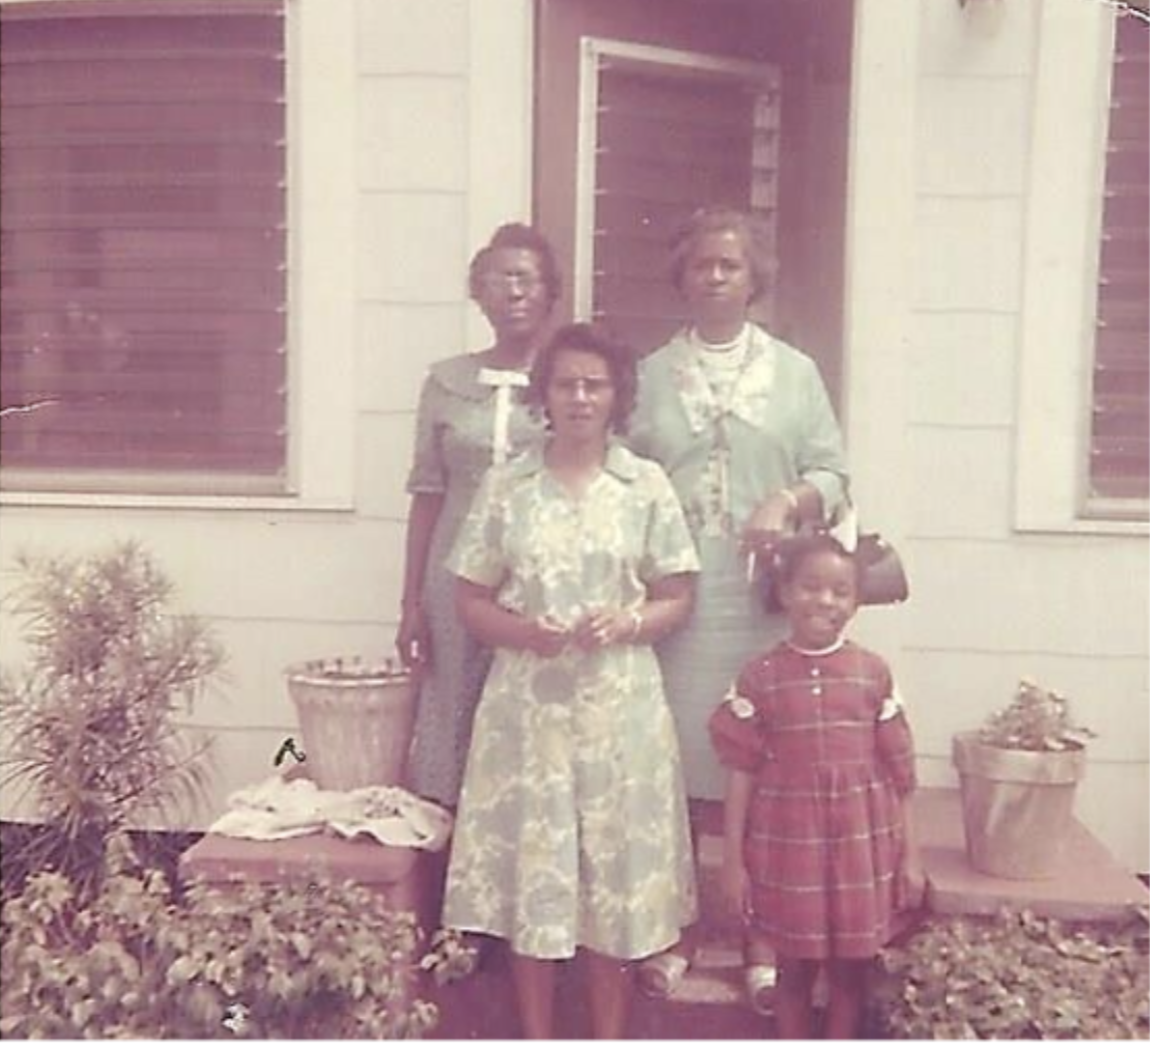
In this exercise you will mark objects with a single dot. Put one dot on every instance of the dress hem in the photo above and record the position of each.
(568, 953)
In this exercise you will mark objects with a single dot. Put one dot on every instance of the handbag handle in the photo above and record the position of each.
(882, 576)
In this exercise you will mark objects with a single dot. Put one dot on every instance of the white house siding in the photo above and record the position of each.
(990, 603)
(389, 176)
(422, 145)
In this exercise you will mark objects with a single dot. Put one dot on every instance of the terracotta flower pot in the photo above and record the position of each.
(1017, 805)
(356, 718)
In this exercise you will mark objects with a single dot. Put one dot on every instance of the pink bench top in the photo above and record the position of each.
(219, 858)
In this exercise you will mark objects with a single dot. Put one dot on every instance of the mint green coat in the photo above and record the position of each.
(778, 428)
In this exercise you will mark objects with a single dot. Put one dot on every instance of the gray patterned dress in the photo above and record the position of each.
(453, 449)
(572, 825)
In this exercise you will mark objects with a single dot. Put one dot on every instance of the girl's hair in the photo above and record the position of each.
(585, 337)
(517, 236)
(791, 553)
(756, 244)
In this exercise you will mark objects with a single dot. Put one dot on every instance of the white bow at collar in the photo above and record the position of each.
(494, 378)
(502, 381)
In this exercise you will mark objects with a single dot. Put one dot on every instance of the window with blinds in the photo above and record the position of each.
(142, 246)
(670, 131)
(1119, 463)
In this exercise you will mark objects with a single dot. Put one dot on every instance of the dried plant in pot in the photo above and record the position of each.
(357, 718)
(1017, 776)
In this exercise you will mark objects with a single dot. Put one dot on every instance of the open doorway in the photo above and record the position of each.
(647, 109)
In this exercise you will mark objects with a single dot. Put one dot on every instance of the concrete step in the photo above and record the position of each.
(716, 975)
(1086, 884)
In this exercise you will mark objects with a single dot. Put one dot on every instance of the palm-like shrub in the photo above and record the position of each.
(90, 719)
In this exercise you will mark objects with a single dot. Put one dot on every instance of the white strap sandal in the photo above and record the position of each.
(659, 975)
(760, 981)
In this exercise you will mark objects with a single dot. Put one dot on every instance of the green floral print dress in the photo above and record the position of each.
(572, 824)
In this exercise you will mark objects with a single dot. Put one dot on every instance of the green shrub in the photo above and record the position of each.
(90, 720)
(264, 961)
(1016, 977)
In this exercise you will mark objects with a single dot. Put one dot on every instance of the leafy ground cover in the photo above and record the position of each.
(1017, 976)
(291, 963)
(133, 959)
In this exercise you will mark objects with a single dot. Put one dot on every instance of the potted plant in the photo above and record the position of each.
(1017, 777)
(357, 719)
(1014, 977)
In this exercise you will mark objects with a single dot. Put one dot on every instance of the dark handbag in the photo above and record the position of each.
(882, 578)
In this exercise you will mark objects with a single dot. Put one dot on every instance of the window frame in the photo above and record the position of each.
(1060, 260)
(593, 52)
(320, 366)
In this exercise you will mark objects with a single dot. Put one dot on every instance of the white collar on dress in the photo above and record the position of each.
(834, 647)
(496, 378)
(619, 461)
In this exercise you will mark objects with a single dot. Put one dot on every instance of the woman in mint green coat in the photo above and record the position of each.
(743, 426)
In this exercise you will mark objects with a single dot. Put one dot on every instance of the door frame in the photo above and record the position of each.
(880, 212)
(592, 50)
(881, 253)
(500, 122)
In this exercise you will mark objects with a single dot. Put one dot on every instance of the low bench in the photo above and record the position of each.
(392, 872)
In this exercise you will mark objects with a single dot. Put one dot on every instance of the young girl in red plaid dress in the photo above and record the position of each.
(820, 769)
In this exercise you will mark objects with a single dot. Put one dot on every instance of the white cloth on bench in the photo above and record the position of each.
(280, 808)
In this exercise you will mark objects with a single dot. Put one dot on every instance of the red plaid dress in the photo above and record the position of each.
(824, 845)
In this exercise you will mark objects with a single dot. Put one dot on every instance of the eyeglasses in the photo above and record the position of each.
(591, 387)
(510, 279)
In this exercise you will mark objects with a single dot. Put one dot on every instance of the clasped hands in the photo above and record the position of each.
(595, 630)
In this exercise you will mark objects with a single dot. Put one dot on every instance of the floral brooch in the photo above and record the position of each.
(740, 706)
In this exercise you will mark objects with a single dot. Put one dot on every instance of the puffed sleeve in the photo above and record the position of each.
(428, 474)
(736, 726)
(669, 547)
(820, 459)
(479, 552)
(893, 740)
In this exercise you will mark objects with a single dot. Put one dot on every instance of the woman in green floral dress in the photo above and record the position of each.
(572, 828)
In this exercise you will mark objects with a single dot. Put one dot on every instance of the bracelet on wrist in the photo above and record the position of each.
(636, 624)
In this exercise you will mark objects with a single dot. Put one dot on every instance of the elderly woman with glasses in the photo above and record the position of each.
(743, 425)
(470, 415)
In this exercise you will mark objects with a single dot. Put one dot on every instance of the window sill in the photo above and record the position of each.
(174, 502)
(1110, 527)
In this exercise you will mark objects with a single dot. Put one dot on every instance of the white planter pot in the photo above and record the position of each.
(1017, 806)
(356, 718)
